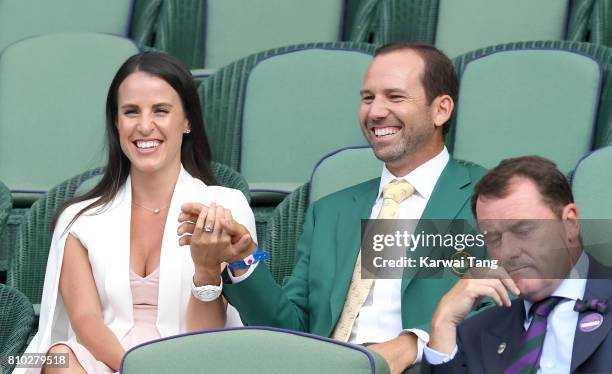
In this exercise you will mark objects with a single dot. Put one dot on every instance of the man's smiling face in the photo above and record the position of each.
(394, 114)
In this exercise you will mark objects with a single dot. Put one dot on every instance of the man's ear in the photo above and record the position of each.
(571, 220)
(442, 108)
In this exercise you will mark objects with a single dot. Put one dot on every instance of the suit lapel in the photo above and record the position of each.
(447, 199)
(171, 261)
(349, 241)
(507, 332)
(117, 273)
(598, 286)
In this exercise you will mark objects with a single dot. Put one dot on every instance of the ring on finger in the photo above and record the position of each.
(209, 228)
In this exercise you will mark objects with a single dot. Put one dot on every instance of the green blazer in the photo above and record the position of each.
(312, 298)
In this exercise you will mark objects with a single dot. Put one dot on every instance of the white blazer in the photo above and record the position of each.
(105, 233)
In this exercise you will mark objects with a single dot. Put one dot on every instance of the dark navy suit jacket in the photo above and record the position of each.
(479, 337)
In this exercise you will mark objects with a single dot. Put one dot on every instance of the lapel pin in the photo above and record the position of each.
(501, 348)
(590, 322)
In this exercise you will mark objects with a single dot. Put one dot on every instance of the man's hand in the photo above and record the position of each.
(400, 353)
(213, 235)
(461, 300)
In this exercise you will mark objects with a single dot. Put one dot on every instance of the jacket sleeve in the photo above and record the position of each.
(261, 301)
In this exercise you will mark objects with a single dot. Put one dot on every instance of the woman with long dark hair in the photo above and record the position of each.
(118, 274)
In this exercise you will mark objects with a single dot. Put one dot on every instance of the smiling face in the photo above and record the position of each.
(531, 242)
(402, 128)
(151, 123)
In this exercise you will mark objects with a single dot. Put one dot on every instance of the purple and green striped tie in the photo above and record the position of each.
(527, 360)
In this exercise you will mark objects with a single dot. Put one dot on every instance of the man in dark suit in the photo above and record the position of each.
(407, 98)
(560, 322)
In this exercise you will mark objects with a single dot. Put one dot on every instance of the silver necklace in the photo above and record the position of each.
(154, 211)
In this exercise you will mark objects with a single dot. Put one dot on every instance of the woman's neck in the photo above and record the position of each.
(154, 190)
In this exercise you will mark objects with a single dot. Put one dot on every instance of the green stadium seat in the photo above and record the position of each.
(31, 247)
(452, 25)
(338, 170)
(213, 33)
(238, 28)
(386, 21)
(260, 349)
(226, 176)
(29, 256)
(592, 188)
(6, 203)
(16, 319)
(599, 53)
(527, 101)
(52, 95)
(21, 19)
(261, 111)
(172, 26)
(222, 97)
(332, 173)
(458, 31)
(601, 21)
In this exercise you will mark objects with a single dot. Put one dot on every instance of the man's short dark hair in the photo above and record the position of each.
(551, 183)
(439, 77)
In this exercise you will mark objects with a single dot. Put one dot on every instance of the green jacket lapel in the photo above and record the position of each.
(349, 242)
(446, 201)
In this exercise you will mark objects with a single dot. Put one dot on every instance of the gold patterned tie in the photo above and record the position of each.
(393, 194)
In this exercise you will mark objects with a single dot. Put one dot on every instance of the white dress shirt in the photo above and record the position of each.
(380, 318)
(561, 325)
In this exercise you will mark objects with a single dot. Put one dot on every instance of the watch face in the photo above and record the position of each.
(206, 292)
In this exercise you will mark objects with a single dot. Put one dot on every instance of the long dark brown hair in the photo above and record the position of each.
(195, 151)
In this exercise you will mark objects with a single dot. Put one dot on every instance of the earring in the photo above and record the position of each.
(187, 131)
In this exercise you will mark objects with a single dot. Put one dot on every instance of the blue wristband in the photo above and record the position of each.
(251, 259)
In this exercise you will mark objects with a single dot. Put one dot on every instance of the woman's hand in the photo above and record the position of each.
(215, 237)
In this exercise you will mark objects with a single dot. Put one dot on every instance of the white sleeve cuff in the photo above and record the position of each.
(436, 358)
(422, 340)
(243, 276)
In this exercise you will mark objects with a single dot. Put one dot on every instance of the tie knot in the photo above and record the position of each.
(398, 191)
(543, 307)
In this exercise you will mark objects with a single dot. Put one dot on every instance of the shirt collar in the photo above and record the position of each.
(423, 178)
(573, 286)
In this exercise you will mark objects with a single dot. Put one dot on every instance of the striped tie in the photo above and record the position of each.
(527, 359)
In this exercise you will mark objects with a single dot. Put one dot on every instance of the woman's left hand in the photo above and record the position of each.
(213, 238)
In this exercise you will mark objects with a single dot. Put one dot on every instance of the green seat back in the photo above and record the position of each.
(343, 168)
(21, 19)
(238, 28)
(298, 107)
(33, 239)
(222, 96)
(592, 188)
(52, 96)
(16, 318)
(338, 170)
(600, 22)
(471, 24)
(523, 102)
(6, 203)
(264, 350)
(225, 175)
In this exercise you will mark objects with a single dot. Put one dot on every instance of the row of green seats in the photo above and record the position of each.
(212, 33)
(457, 27)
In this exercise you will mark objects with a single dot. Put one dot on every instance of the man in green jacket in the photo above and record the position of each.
(407, 97)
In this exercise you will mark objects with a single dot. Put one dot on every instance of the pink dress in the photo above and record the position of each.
(144, 298)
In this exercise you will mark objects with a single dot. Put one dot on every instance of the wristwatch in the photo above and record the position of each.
(207, 292)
